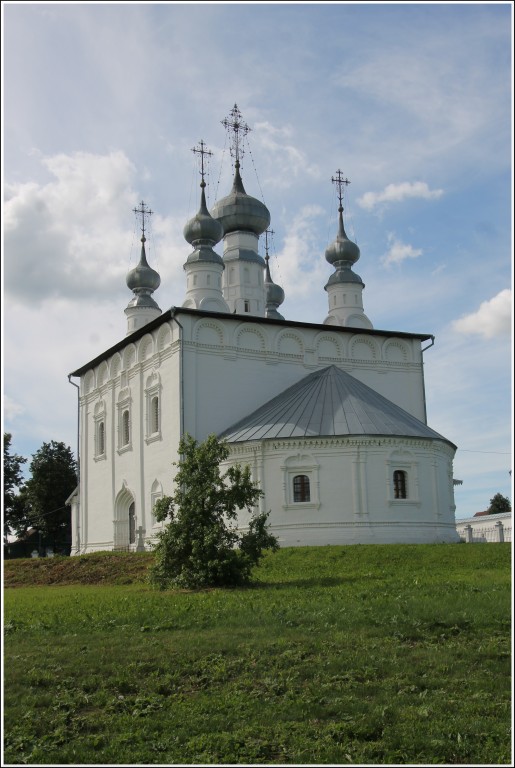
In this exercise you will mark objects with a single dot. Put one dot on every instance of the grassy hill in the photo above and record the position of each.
(358, 655)
(95, 568)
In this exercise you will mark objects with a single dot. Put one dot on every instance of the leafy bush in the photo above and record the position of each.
(201, 545)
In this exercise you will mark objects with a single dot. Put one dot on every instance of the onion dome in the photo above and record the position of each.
(203, 232)
(342, 254)
(239, 211)
(143, 280)
(343, 249)
(274, 294)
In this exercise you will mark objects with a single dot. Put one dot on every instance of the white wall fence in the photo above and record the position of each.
(499, 532)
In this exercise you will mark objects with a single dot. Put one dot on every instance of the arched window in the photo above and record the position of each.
(101, 439)
(400, 485)
(301, 488)
(125, 428)
(154, 414)
(132, 524)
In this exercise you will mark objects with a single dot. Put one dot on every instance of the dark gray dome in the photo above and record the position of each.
(203, 228)
(274, 293)
(143, 277)
(239, 211)
(342, 249)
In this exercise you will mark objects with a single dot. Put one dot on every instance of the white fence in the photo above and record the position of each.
(485, 533)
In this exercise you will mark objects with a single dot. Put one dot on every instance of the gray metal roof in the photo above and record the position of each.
(329, 402)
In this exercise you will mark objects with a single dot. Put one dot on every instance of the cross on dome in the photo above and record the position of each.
(340, 183)
(201, 150)
(234, 123)
(144, 212)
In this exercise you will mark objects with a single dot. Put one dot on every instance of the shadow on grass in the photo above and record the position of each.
(324, 581)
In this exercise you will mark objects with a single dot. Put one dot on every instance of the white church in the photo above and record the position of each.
(330, 416)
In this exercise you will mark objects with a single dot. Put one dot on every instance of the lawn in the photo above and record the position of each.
(387, 654)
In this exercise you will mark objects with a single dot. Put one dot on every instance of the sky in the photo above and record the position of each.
(102, 104)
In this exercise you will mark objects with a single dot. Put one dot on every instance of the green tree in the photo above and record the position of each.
(498, 504)
(201, 545)
(15, 510)
(53, 477)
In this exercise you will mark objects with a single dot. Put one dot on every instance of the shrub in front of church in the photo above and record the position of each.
(201, 546)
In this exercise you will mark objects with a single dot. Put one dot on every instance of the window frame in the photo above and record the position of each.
(99, 420)
(400, 484)
(301, 489)
(124, 406)
(153, 391)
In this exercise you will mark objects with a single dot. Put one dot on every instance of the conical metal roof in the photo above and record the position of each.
(328, 403)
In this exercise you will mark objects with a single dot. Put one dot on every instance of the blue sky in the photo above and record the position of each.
(102, 104)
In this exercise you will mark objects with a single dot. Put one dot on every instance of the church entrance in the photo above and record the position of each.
(124, 533)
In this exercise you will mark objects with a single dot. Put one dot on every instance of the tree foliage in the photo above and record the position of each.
(53, 477)
(201, 545)
(498, 504)
(15, 511)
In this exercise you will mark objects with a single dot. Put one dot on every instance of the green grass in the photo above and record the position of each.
(339, 655)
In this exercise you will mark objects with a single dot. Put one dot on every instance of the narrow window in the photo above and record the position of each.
(246, 305)
(154, 415)
(125, 428)
(399, 484)
(208, 279)
(132, 524)
(301, 488)
(101, 439)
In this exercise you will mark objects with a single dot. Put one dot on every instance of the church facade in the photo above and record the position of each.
(330, 417)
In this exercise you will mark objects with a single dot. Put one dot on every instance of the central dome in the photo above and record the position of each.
(239, 211)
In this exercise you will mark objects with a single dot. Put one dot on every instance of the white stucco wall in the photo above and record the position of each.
(143, 468)
(234, 366)
(210, 372)
(351, 483)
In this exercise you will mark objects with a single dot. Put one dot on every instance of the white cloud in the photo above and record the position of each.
(285, 161)
(76, 236)
(395, 193)
(12, 409)
(301, 268)
(70, 236)
(399, 251)
(493, 318)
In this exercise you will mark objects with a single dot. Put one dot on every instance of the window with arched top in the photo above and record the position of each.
(154, 414)
(132, 523)
(301, 488)
(126, 433)
(99, 434)
(101, 438)
(400, 484)
(153, 408)
(124, 421)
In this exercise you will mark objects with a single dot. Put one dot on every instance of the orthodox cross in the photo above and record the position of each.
(340, 182)
(240, 129)
(201, 150)
(267, 232)
(144, 211)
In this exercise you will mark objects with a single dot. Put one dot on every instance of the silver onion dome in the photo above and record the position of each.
(203, 228)
(274, 294)
(342, 249)
(239, 211)
(143, 278)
